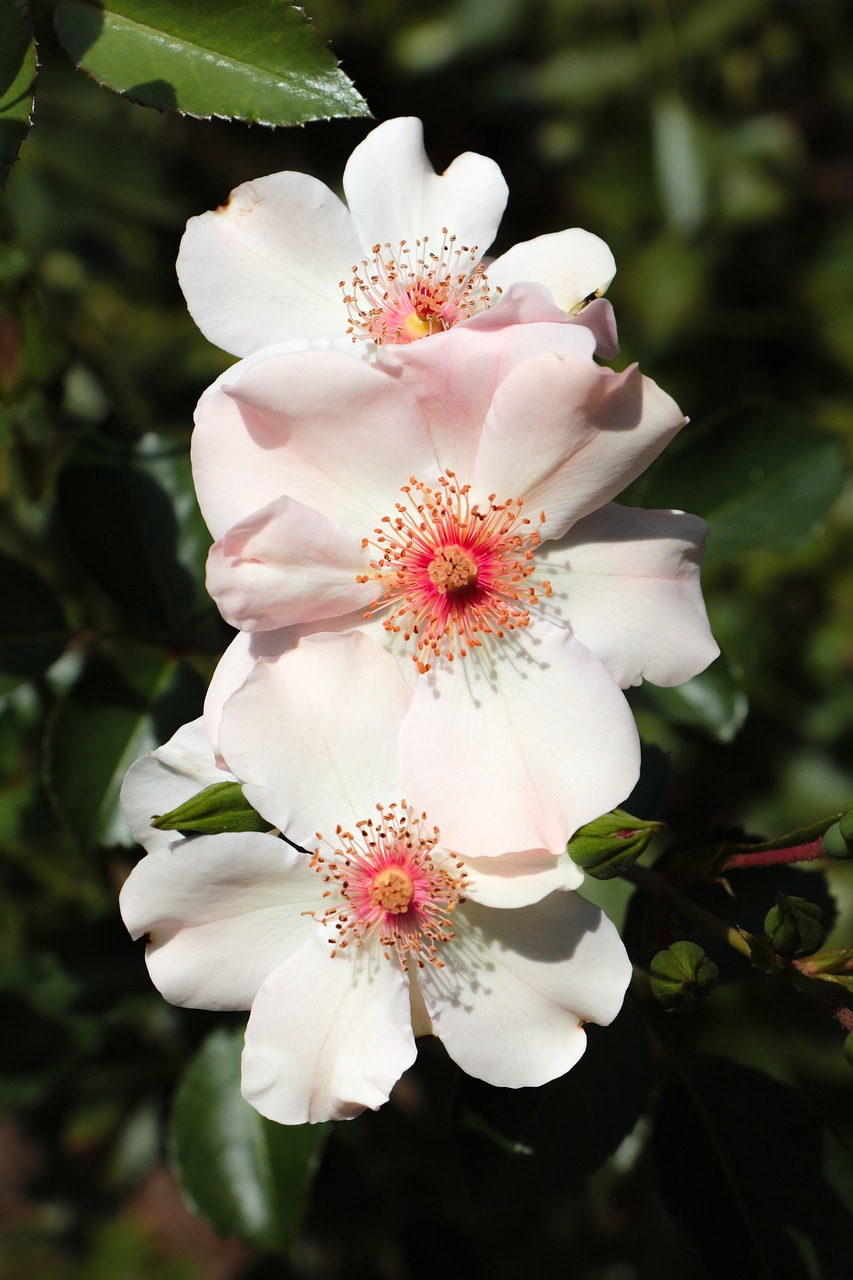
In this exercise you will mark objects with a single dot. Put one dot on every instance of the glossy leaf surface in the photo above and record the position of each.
(260, 61)
(248, 1177)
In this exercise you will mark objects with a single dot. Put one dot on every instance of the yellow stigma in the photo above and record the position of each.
(392, 890)
(414, 326)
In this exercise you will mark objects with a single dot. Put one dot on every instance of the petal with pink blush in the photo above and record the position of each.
(574, 264)
(508, 1008)
(323, 428)
(221, 913)
(519, 744)
(327, 714)
(286, 564)
(266, 266)
(589, 433)
(626, 582)
(455, 376)
(526, 304)
(394, 193)
(328, 1036)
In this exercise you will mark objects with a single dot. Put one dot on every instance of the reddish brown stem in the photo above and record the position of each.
(776, 857)
(844, 1016)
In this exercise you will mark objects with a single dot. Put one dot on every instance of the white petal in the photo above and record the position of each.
(517, 984)
(165, 778)
(516, 880)
(574, 264)
(344, 346)
(627, 584)
(233, 667)
(313, 736)
(287, 564)
(519, 744)
(568, 435)
(267, 265)
(394, 194)
(221, 912)
(328, 1035)
(249, 648)
(326, 429)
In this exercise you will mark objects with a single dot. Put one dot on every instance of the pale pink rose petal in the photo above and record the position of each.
(221, 913)
(534, 304)
(509, 1009)
(590, 432)
(231, 670)
(328, 1036)
(321, 427)
(394, 193)
(286, 564)
(313, 736)
(343, 346)
(627, 583)
(517, 746)
(517, 879)
(165, 779)
(249, 648)
(574, 264)
(455, 376)
(266, 266)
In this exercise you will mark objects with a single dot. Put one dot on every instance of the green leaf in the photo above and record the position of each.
(738, 1167)
(245, 1175)
(520, 1145)
(152, 563)
(125, 704)
(219, 808)
(259, 61)
(33, 633)
(17, 80)
(762, 478)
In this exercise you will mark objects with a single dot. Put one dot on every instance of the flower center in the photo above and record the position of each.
(402, 294)
(389, 880)
(392, 889)
(451, 571)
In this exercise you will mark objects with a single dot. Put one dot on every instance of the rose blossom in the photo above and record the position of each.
(452, 500)
(372, 932)
(284, 259)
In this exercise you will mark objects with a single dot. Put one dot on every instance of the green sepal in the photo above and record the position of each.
(794, 927)
(605, 847)
(219, 808)
(830, 966)
(682, 976)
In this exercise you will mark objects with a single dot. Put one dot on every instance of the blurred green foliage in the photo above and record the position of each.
(710, 143)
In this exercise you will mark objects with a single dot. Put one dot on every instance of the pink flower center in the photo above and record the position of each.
(451, 572)
(389, 882)
(409, 293)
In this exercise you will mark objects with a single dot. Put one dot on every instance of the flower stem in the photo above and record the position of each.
(653, 883)
(776, 857)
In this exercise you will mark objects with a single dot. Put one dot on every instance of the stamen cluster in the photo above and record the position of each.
(386, 880)
(402, 294)
(451, 571)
